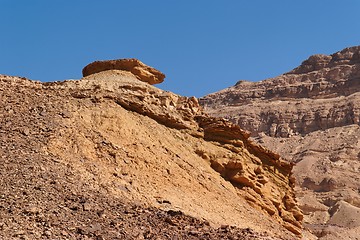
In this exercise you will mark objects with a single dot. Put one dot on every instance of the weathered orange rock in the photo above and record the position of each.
(136, 67)
(251, 168)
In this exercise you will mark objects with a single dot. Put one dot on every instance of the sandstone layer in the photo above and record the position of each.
(112, 157)
(310, 116)
(136, 67)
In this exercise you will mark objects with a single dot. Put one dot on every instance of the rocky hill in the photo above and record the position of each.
(112, 157)
(310, 116)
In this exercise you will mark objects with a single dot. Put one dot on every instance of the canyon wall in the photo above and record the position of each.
(310, 116)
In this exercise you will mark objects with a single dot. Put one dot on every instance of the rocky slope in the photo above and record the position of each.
(112, 157)
(310, 116)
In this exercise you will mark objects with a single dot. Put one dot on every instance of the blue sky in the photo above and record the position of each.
(201, 45)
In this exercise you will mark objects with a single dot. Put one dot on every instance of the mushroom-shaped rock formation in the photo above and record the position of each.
(140, 70)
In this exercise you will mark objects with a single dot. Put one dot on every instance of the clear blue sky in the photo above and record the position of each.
(201, 45)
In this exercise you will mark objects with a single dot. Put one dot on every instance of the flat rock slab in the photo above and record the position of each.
(140, 70)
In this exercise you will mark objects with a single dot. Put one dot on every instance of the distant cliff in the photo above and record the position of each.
(311, 117)
(321, 93)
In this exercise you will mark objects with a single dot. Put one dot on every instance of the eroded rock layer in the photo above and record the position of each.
(80, 151)
(311, 117)
(136, 67)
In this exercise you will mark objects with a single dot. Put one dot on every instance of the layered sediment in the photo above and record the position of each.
(310, 116)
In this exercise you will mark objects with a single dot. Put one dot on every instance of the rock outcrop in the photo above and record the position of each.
(136, 67)
(78, 155)
(262, 188)
(311, 117)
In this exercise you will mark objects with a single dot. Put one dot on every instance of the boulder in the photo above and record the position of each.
(140, 70)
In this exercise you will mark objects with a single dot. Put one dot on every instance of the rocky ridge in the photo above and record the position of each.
(99, 157)
(310, 116)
